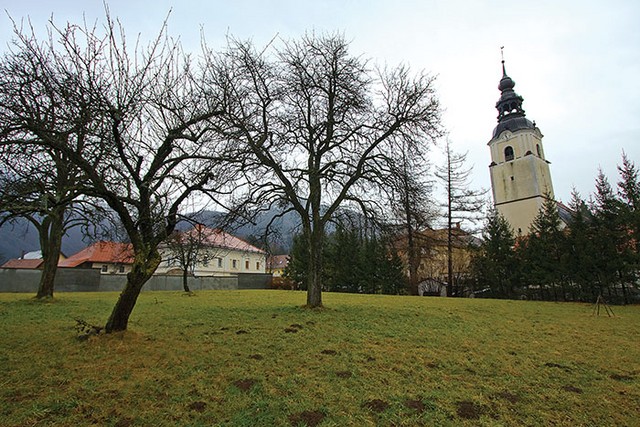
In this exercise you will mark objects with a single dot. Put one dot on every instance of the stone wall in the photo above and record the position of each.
(88, 280)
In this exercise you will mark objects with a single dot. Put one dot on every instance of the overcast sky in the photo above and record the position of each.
(576, 63)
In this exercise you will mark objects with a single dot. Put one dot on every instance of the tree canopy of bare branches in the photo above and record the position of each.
(318, 129)
(133, 121)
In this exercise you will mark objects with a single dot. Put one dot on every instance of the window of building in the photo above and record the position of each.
(121, 269)
(538, 150)
(104, 268)
(258, 265)
(246, 265)
(234, 263)
(508, 154)
(219, 262)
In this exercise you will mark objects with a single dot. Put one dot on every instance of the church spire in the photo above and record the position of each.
(510, 103)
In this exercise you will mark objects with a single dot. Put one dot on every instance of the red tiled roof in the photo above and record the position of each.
(30, 264)
(220, 239)
(105, 252)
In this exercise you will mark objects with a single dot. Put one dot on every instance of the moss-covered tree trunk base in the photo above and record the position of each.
(119, 319)
(50, 232)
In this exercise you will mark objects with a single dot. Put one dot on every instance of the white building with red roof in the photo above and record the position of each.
(221, 254)
(108, 257)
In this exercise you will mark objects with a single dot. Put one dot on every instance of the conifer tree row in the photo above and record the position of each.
(595, 255)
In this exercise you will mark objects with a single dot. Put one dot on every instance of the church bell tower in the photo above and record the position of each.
(520, 176)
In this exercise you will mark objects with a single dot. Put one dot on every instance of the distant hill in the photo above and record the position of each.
(21, 237)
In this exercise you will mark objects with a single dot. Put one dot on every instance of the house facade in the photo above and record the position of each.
(432, 252)
(108, 257)
(28, 261)
(214, 252)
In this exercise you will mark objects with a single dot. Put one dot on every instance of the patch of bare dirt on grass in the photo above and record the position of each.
(306, 418)
(294, 328)
(344, 374)
(329, 352)
(198, 406)
(256, 356)
(508, 396)
(124, 422)
(621, 377)
(416, 405)
(245, 384)
(572, 389)
(376, 405)
(469, 410)
(557, 365)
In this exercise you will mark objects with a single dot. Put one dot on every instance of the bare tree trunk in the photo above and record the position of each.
(314, 289)
(449, 260)
(50, 243)
(414, 263)
(142, 270)
(185, 283)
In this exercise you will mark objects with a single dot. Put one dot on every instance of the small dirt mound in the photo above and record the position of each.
(371, 359)
(469, 410)
(344, 374)
(376, 405)
(620, 377)
(572, 389)
(329, 352)
(245, 384)
(198, 406)
(256, 356)
(557, 365)
(291, 330)
(509, 397)
(124, 422)
(241, 332)
(416, 405)
(307, 418)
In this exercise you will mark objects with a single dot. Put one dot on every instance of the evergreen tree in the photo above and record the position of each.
(610, 236)
(582, 247)
(298, 265)
(629, 194)
(545, 253)
(495, 265)
(342, 261)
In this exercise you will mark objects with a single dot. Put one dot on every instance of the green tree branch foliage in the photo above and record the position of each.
(354, 263)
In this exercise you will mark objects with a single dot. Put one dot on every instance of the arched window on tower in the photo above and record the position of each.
(508, 154)
(538, 150)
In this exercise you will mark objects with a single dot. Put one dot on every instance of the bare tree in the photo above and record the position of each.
(138, 138)
(38, 183)
(462, 204)
(188, 249)
(316, 127)
(413, 207)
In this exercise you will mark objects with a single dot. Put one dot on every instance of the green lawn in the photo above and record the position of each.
(256, 358)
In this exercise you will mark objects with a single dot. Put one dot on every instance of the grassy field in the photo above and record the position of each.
(256, 358)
